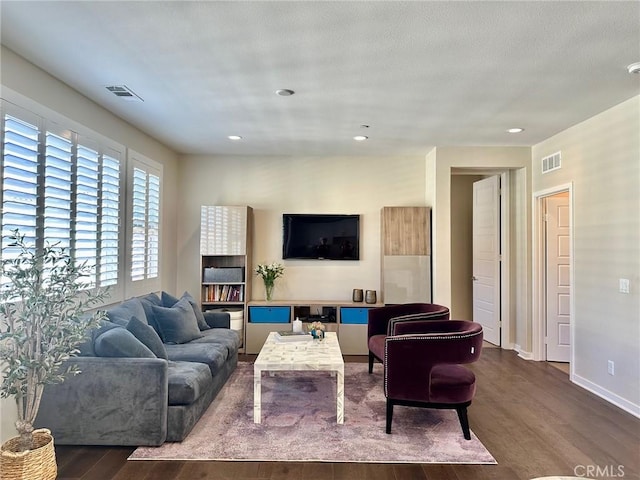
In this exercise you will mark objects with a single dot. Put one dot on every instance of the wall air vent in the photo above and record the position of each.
(552, 162)
(124, 92)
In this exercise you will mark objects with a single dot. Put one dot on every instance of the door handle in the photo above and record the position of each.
(474, 278)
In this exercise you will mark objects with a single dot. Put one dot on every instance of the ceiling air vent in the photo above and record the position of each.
(552, 162)
(124, 92)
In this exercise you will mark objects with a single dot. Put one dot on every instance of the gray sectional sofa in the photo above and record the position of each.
(147, 375)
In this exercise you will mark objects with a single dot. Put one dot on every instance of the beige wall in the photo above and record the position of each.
(601, 158)
(29, 87)
(277, 185)
(462, 245)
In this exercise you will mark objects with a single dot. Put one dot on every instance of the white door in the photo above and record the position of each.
(557, 278)
(486, 257)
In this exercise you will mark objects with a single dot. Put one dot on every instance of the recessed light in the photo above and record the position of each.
(634, 67)
(516, 130)
(234, 137)
(360, 138)
(285, 92)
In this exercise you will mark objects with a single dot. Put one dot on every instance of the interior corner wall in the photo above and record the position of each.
(282, 184)
(25, 84)
(601, 158)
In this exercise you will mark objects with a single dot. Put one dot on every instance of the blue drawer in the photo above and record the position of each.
(354, 315)
(269, 314)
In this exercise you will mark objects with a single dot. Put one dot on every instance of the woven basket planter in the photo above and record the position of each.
(36, 464)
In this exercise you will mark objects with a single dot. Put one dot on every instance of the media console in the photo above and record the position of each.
(347, 319)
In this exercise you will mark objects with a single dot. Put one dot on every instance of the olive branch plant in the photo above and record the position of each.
(45, 299)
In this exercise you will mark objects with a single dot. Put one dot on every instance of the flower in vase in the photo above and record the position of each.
(269, 272)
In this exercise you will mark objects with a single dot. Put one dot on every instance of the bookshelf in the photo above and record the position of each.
(225, 261)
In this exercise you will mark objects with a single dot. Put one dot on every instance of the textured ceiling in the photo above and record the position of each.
(421, 74)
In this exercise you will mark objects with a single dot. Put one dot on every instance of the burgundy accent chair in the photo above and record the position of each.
(425, 369)
(397, 320)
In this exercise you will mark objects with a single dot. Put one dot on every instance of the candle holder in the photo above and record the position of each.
(371, 296)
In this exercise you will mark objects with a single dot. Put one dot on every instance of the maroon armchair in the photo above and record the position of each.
(397, 320)
(425, 369)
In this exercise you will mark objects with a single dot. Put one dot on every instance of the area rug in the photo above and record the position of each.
(299, 424)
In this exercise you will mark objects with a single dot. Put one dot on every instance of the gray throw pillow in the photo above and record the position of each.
(202, 324)
(121, 314)
(169, 300)
(119, 342)
(176, 324)
(148, 336)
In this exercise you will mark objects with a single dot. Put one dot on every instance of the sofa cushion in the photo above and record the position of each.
(176, 324)
(188, 381)
(152, 298)
(213, 355)
(169, 300)
(86, 347)
(221, 336)
(119, 342)
(148, 336)
(121, 314)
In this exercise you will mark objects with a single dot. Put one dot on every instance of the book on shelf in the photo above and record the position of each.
(290, 336)
(224, 293)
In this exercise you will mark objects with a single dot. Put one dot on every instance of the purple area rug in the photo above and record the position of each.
(299, 424)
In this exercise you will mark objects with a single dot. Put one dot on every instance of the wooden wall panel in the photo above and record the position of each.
(406, 231)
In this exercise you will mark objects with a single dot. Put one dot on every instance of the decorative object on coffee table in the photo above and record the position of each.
(269, 273)
(42, 322)
(317, 330)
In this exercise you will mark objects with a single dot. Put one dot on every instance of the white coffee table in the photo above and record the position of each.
(287, 356)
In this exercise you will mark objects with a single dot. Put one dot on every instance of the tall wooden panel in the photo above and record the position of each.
(406, 254)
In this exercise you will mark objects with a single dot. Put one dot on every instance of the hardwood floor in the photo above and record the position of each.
(528, 415)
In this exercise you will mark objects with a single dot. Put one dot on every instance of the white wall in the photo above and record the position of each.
(277, 185)
(26, 85)
(601, 156)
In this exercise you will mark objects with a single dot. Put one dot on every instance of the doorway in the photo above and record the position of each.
(553, 275)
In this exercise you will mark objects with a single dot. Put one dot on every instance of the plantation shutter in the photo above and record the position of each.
(86, 203)
(109, 221)
(146, 180)
(19, 180)
(57, 189)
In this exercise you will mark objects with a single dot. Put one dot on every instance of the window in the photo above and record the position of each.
(59, 187)
(144, 225)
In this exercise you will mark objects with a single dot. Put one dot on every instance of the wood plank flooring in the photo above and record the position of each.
(529, 416)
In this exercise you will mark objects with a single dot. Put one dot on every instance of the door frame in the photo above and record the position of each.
(539, 266)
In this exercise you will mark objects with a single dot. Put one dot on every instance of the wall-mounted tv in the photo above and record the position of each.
(321, 236)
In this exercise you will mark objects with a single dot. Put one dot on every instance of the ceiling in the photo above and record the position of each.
(419, 74)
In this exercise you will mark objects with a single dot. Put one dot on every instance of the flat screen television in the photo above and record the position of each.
(320, 236)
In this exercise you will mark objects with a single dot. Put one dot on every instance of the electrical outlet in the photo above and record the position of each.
(624, 285)
(611, 367)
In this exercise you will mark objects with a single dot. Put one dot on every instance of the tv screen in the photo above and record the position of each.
(322, 237)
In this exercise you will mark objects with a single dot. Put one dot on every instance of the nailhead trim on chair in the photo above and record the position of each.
(421, 336)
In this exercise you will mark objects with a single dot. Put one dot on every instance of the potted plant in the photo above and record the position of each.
(44, 297)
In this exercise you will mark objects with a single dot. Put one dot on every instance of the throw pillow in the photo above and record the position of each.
(121, 314)
(168, 300)
(176, 324)
(148, 336)
(119, 342)
(202, 324)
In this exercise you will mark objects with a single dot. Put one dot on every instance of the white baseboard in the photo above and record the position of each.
(523, 353)
(610, 397)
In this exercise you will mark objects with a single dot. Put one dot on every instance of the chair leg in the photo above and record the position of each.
(389, 414)
(371, 358)
(464, 422)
